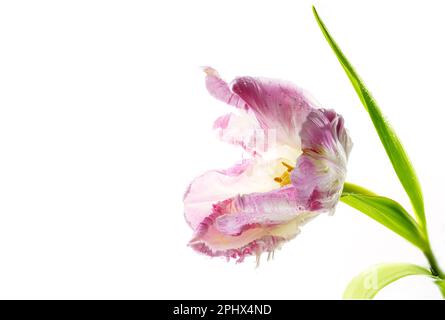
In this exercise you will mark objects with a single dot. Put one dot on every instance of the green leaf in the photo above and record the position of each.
(385, 211)
(367, 284)
(390, 141)
(350, 188)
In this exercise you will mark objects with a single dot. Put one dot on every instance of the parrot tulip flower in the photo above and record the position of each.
(296, 169)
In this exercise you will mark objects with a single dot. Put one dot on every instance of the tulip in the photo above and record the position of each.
(295, 170)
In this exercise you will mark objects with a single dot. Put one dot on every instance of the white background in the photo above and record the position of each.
(104, 120)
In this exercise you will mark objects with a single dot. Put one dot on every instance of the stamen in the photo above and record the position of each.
(285, 177)
(289, 167)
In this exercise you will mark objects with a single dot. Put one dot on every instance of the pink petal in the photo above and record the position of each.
(220, 89)
(279, 107)
(250, 225)
(214, 186)
(321, 170)
(259, 209)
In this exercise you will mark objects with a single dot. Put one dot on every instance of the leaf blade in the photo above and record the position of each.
(368, 283)
(392, 144)
(385, 211)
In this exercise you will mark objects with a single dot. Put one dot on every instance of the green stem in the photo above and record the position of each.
(435, 269)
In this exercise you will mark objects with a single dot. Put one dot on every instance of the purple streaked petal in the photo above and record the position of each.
(216, 185)
(279, 107)
(259, 209)
(254, 240)
(255, 247)
(321, 170)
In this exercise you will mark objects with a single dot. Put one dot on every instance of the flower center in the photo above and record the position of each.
(284, 179)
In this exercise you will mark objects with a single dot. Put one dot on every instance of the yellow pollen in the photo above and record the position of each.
(289, 167)
(285, 177)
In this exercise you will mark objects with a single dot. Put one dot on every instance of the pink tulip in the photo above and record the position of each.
(296, 170)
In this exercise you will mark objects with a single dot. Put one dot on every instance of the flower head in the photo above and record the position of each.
(296, 170)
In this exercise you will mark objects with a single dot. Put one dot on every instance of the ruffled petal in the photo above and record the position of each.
(279, 107)
(259, 209)
(321, 170)
(256, 175)
(242, 128)
(251, 224)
